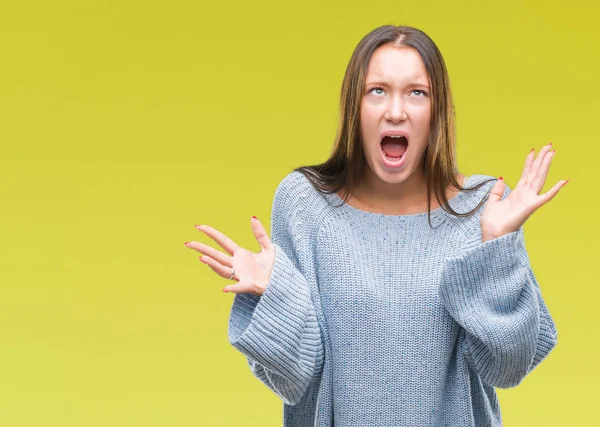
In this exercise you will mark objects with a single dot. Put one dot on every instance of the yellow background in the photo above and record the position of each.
(125, 123)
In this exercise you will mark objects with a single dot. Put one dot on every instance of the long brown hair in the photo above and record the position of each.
(346, 165)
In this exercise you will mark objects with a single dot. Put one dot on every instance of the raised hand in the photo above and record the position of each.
(503, 216)
(251, 270)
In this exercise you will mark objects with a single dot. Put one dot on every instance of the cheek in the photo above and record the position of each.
(426, 115)
(369, 122)
(423, 123)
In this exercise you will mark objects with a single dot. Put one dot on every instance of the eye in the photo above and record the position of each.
(372, 89)
(423, 93)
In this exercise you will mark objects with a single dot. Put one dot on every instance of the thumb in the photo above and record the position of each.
(239, 287)
(261, 234)
(497, 191)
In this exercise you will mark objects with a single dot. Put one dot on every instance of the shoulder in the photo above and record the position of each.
(297, 214)
(297, 200)
(293, 182)
(478, 186)
(474, 198)
(295, 189)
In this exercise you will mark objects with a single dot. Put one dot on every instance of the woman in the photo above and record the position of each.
(376, 303)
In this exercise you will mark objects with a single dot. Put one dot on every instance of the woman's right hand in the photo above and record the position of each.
(252, 270)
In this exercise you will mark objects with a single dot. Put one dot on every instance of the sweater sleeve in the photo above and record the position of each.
(278, 331)
(491, 291)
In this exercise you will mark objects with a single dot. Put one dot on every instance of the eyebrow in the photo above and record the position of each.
(387, 84)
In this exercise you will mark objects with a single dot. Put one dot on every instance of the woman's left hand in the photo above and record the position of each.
(504, 216)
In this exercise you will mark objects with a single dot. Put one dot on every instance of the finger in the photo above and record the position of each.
(218, 256)
(497, 191)
(526, 168)
(225, 242)
(536, 164)
(540, 179)
(549, 195)
(261, 234)
(221, 270)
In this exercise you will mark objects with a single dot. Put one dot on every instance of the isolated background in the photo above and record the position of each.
(124, 123)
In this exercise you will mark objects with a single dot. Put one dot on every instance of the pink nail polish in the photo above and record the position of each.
(225, 290)
(200, 258)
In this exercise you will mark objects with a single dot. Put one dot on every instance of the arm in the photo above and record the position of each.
(278, 331)
(491, 291)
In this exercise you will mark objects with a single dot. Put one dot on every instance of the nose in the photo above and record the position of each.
(396, 109)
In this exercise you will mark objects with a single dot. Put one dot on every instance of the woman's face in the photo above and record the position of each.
(396, 98)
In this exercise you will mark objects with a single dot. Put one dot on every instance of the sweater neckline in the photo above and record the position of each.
(435, 213)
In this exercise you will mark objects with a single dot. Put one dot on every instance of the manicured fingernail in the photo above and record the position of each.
(225, 290)
(532, 150)
(200, 258)
(550, 145)
(500, 178)
(566, 182)
(253, 217)
(187, 243)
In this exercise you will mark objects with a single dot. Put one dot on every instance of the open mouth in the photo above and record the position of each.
(393, 148)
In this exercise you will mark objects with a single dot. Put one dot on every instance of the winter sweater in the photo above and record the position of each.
(385, 320)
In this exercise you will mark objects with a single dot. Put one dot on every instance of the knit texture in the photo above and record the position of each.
(381, 320)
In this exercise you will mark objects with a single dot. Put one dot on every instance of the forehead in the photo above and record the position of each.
(396, 64)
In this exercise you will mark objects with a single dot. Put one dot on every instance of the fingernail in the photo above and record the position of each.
(200, 258)
(500, 178)
(550, 144)
(197, 226)
(532, 150)
(225, 290)
(566, 182)
(187, 243)
(253, 217)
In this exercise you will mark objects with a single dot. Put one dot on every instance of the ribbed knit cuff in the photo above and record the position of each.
(269, 328)
(490, 273)
(489, 292)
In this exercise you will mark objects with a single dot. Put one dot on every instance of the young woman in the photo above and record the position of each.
(395, 291)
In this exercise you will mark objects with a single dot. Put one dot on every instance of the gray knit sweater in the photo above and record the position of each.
(381, 320)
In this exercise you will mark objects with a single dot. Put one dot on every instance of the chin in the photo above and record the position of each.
(391, 177)
(397, 179)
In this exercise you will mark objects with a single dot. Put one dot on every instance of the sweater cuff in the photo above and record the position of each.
(270, 327)
(488, 277)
